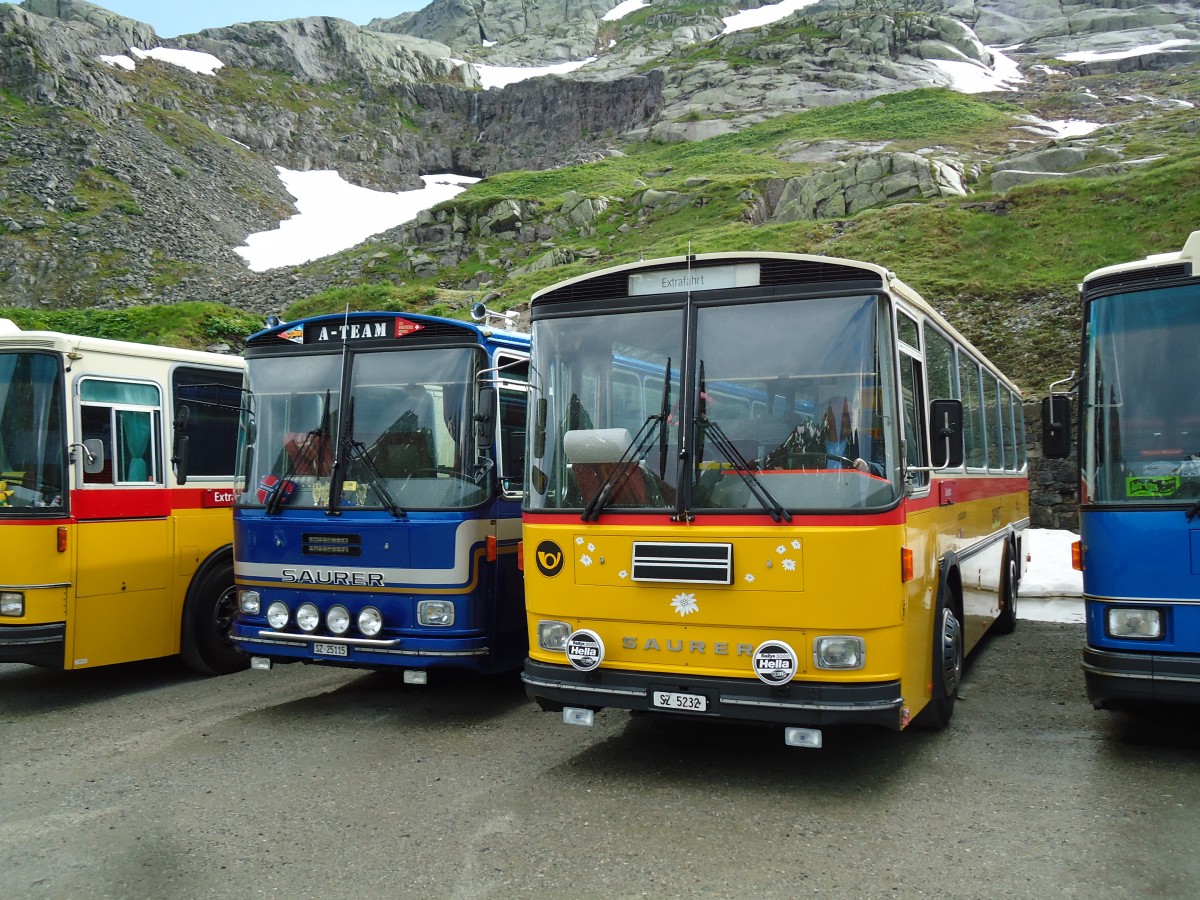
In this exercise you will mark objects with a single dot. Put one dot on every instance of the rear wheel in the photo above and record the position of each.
(206, 646)
(1007, 620)
(947, 671)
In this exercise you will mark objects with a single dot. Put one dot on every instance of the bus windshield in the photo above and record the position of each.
(1141, 441)
(402, 436)
(31, 434)
(786, 407)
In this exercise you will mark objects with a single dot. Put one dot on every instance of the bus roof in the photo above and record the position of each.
(13, 337)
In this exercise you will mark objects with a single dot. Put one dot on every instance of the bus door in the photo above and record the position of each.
(511, 408)
(123, 539)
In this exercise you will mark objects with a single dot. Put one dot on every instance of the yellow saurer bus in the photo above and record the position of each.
(116, 476)
(763, 486)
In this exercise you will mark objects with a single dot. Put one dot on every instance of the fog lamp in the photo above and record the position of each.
(12, 603)
(308, 617)
(839, 652)
(553, 635)
(277, 614)
(370, 622)
(337, 620)
(1137, 623)
(250, 603)
(435, 612)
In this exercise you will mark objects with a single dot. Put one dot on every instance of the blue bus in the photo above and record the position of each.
(1139, 467)
(377, 513)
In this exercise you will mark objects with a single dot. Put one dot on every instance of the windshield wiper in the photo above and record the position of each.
(357, 451)
(725, 446)
(320, 434)
(622, 471)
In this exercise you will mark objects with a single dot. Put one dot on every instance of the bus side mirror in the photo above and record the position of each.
(946, 434)
(1056, 426)
(180, 459)
(485, 419)
(93, 456)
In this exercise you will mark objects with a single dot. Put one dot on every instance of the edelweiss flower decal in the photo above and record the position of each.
(789, 565)
(585, 560)
(685, 604)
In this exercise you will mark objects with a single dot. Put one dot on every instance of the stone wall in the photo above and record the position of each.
(1053, 483)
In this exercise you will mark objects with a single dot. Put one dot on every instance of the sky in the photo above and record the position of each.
(170, 19)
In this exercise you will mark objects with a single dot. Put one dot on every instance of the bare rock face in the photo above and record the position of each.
(107, 177)
(464, 24)
(320, 49)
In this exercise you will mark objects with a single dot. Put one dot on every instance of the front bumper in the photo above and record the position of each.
(798, 703)
(36, 645)
(1118, 678)
(403, 652)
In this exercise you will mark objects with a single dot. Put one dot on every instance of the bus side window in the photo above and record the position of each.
(126, 418)
(512, 439)
(97, 426)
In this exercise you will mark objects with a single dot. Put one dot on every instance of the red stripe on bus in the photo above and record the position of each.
(141, 503)
(963, 490)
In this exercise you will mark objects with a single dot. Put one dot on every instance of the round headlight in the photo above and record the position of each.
(337, 620)
(277, 614)
(308, 617)
(370, 622)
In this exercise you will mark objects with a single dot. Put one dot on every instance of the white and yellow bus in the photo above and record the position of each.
(763, 486)
(116, 476)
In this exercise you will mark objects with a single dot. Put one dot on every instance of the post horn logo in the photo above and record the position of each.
(549, 558)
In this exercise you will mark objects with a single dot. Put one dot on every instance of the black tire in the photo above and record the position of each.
(947, 669)
(205, 644)
(1006, 622)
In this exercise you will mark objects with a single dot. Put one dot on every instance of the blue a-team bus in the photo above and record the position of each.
(378, 516)
(1139, 465)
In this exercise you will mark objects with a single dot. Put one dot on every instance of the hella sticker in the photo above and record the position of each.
(585, 650)
(775, 663)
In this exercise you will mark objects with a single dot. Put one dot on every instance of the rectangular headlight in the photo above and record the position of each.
(1135, 622)
(435, 612)
(249, 602)
(553, 635)
(839, 652)
(12, 603)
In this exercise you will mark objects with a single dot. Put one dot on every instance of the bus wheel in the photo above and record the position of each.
(206, 646)
(1007, 620)
(947, 671)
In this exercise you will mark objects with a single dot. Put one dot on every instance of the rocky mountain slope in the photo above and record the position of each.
(126, 186)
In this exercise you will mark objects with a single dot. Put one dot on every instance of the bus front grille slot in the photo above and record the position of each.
(700, 563)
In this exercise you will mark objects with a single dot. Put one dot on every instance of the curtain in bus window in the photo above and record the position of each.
(135, 463)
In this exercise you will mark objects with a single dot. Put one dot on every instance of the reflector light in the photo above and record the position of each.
(906, 564)
(1077, 556)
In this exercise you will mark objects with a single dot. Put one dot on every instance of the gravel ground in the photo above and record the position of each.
(146, 781)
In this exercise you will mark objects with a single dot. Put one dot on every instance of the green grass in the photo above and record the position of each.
(189, 325)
